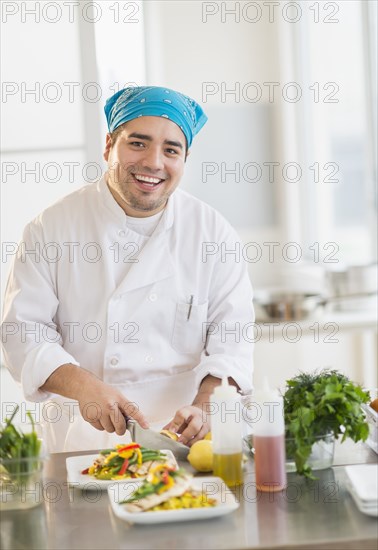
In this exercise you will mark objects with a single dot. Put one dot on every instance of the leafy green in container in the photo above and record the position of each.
(18, 449)
(322, 403)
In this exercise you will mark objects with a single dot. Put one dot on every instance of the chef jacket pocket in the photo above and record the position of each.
(189, 335)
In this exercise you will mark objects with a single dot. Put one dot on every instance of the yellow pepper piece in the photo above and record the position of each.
(140, 456)
(158, 468)
(126, 454)
(110, 456)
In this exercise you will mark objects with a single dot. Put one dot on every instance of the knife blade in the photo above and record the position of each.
(154, 440)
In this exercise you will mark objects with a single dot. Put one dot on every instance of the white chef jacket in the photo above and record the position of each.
(67, 301)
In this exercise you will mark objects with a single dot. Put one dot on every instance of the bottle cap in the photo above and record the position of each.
(269, 415)
(225, 391)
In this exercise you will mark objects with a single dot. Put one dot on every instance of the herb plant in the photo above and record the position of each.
(322, 403)
(16, 445)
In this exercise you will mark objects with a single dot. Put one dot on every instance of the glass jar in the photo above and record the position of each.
(321, 456)
(21, 484)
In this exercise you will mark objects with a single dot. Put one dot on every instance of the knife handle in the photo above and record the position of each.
(130, 425)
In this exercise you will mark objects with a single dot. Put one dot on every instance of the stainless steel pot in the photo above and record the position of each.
(287, 306)
(273, 305)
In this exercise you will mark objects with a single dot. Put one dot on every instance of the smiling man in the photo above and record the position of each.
(147, 304)
(146, 160)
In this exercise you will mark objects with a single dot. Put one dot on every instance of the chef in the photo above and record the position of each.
(127, 298)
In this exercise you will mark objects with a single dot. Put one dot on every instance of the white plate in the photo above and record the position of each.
(370, 509)
(362, 483)
(76, 464)
(213, 486)
(364, 480)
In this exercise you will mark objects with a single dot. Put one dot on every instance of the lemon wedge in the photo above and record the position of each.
(169, 434)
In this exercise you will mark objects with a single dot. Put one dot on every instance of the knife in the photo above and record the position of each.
(153, 440)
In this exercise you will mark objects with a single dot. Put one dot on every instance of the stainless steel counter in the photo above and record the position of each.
(312, 515)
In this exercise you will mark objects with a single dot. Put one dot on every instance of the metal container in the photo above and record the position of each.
(287, 306)
(272, 305)
(353, 280)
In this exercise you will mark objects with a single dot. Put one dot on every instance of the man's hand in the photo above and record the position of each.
(191, 423)
(103, 406)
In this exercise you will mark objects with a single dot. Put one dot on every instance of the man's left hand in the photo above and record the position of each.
(191, 422)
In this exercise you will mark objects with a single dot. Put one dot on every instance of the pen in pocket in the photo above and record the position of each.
(190, 307)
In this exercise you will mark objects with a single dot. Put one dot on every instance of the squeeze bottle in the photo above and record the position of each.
(226, 430)
(269, 440)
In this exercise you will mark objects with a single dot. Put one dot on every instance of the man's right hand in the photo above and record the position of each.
(103, 406)
(107, 409)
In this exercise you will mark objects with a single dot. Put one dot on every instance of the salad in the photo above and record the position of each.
(166, 488)
(125, 462)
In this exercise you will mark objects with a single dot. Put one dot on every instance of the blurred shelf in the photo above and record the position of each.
(346, 320)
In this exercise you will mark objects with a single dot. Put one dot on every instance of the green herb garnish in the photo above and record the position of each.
(320, 403)
(148, 488)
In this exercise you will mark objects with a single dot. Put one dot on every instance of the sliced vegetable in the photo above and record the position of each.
(123, 468)
(125, 461)
(128, 447)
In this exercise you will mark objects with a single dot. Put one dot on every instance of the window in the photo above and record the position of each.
(337, 63)
(120, 50)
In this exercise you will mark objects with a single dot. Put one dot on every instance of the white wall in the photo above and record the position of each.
(43, 132)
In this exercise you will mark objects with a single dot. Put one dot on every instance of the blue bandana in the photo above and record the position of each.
(131, 103)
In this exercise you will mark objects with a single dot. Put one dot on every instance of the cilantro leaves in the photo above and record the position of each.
(321, 403)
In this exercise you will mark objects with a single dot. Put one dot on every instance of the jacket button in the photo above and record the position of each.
(122, 233)
(114, 361)
(149, 359)
(152, 297)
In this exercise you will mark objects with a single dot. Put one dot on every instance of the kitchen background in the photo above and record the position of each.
(288, 155)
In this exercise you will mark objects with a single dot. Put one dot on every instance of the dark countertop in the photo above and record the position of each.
(319, 514)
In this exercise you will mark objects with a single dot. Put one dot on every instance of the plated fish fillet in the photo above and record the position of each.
(182, 483)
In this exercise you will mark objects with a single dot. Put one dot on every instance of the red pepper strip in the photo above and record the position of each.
(86, 471)
(129, 447)
(164, 477)
(124, 466)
